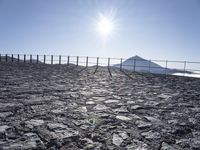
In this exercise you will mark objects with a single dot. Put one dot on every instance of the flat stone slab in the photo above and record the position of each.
(5, 114)
(166, 146)
(3, 128)
(55, 126)
(142, 125)
(35, 122)
(151, 135)
(117, 140)
(152, 119)
(90, 103)
(111, 101)
(164, 96)
(28, 141)
(100, 107)
(130, 102)
(99, 99)
(61, 131)
(123, 118)
(121, 110)
(134, 107)
(119, 137)
(82, 109)
(137, 145)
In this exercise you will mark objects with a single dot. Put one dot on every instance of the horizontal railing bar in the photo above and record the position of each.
(8, 54)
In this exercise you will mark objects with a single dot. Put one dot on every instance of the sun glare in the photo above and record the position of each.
(104, 25)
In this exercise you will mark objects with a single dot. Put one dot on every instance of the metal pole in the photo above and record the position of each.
(121, 65)
(97, 65)
(18, 57)
(0, 57)
(12, 57)
(134, 65)
(109, 67)
(77, 61)
(30, 58)
(24, 58)
(87, 61)
(51, 59)
(166, 67)
(108, 63)
(97, 62)
(37, 58)
(44, 59)
(59, 59)
(149, 65)
(6, 57)
(185, 67)
(68, 57)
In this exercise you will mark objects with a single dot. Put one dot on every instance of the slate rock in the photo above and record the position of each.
(123, 118)
(137, 145)
(34, 123)
(166, 146)
(61, 131)
(142, 125)
(28, 141)
(3, 128)
(82, 109)
(100, 107)
(117, 140)
(5, 114)
(111, 101)
(134, 107)
(90, 103)
(151, 135)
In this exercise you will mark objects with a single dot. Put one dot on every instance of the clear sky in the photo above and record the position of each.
(152, 29)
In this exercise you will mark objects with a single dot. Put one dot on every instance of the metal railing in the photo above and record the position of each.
(131, 64)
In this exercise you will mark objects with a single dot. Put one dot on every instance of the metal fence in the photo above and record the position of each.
(131, 64)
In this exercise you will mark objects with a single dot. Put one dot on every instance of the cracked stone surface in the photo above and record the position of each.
(58, 107)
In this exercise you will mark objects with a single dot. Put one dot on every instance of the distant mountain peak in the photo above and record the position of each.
(136, 57)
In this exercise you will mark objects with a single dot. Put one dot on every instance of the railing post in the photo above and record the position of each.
(18, 57)
(12, 57)
(166, 67)
(77, 61)
(121, 65)
(108, 63)
(97, 65)
(51, 59)
(6, 57)
(87, 61)
(37, 59)
(0, 57)
(68, 57)
(44, 59)
(109, 67)
(150, 66)
(185, 67)
(24, 58)
(59, 59)
(97, 62)
(31, 59)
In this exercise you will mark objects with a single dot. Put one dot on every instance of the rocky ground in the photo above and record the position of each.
(61, 107)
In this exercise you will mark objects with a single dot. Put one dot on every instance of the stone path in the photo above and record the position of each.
(54, 107)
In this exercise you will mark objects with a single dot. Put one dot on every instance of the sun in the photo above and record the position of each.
(104, 25)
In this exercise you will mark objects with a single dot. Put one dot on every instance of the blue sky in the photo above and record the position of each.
(156, 29)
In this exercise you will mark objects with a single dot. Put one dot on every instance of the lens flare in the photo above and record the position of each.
(105, 25)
